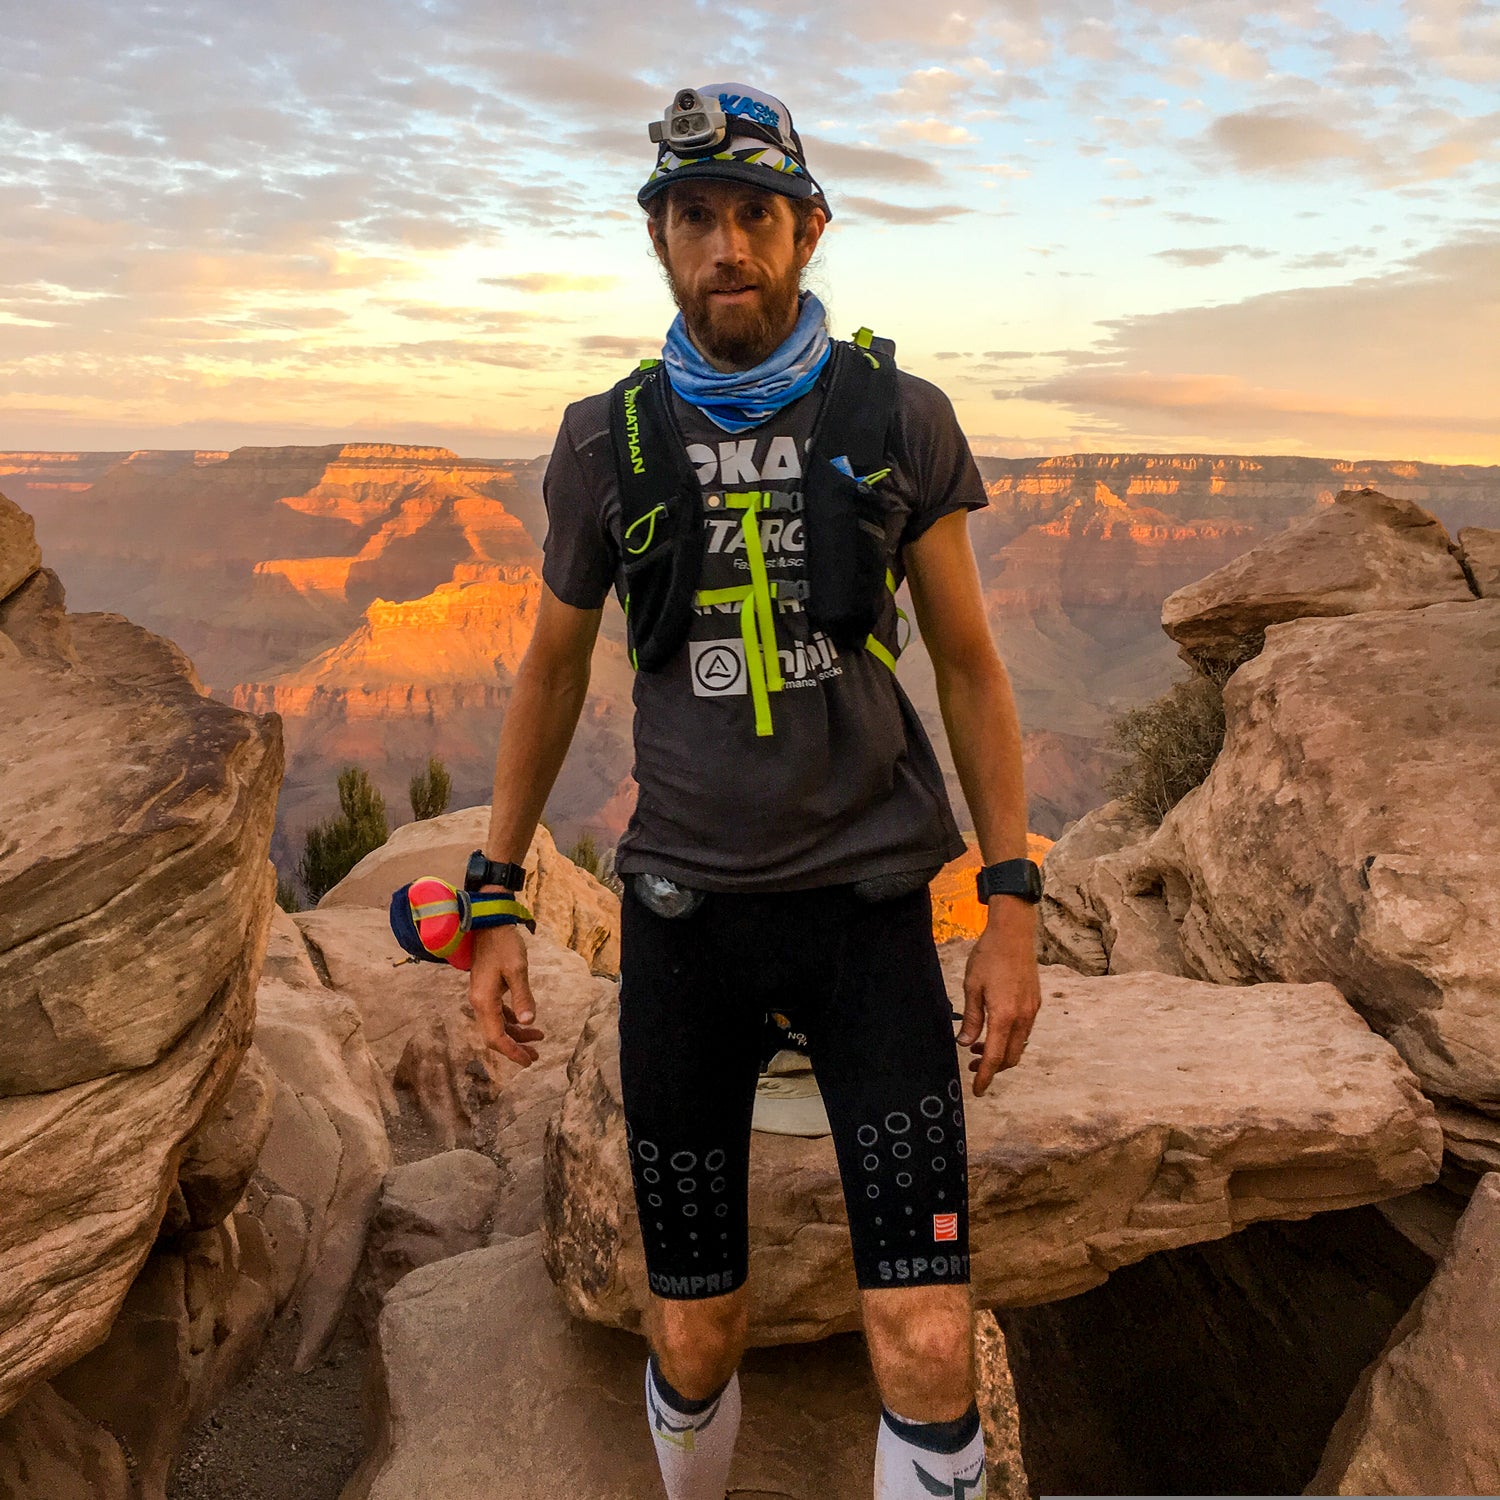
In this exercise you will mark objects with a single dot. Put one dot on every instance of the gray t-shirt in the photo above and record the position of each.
(846, 787)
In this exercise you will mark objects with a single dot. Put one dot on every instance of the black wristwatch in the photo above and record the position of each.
(1011, 877)
(482, 871)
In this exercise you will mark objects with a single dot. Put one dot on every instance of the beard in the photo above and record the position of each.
(738, 336)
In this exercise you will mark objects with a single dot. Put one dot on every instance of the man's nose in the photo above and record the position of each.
(730, 242)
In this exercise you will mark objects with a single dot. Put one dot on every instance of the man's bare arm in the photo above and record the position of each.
(1002, 990)
(551, 685)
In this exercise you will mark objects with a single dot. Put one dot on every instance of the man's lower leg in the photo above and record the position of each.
(919, 1460)
(694, 1438)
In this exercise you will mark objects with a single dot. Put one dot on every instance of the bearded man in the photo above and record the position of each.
(755, 498)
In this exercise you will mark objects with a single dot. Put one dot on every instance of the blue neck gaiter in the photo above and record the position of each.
(742, 399)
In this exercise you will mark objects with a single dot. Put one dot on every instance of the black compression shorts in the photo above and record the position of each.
(863, 983)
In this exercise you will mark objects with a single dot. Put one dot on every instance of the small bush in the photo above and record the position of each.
(1172, 742)
(587, 855)
(336, 845)
(286, 894)
(430, 790)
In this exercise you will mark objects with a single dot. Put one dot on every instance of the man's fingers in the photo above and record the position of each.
(992, 1059)
(973, 1012)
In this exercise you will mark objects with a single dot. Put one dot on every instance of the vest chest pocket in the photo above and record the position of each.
(662, 555)
(845, 553)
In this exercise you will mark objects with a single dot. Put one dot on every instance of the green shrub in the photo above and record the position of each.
(286, 894)
(587, 855)
(336, 845)
(431, 790)
(1171, 743)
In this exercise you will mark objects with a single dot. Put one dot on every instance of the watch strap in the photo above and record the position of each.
(1010, 877)
(482, 870)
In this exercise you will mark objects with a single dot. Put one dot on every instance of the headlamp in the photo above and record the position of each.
(691, 125)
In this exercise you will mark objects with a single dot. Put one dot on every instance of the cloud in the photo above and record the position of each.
(831, 160)
(1209, 255)
(548, 281)
(1282, 140)
(1396, 361)
(903, 213)
(622, 346)
(935, 132)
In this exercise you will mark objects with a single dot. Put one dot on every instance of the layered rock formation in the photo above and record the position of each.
(1150, 1112)
(134, 899)
(1425, 1417)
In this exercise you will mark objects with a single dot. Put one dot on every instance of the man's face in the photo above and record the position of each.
(735, 264)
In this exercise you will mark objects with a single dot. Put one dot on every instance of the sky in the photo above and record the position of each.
(1207, 226)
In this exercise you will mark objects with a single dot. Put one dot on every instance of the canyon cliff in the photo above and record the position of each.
(379, 596)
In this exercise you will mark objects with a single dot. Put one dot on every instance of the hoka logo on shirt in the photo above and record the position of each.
(746, 460)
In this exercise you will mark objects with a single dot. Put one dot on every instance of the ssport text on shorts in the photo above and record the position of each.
(861, 980)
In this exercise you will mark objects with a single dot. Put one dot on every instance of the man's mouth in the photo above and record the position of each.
(732, 293)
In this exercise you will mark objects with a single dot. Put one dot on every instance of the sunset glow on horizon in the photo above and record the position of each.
(1202, 227)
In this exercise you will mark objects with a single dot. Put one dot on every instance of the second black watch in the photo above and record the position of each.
(482, 871)
(1011, 877)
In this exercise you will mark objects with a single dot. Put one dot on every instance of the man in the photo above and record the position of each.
(791, 810)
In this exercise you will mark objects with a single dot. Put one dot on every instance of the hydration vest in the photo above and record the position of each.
(664, 533)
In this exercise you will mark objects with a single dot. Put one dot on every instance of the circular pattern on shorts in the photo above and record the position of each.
(935, 1134)
(684, 1161)
(654, 1199)
(650, 1174)
(901, 1150)
(872, 1191)
(871, 1163)
(939, 1163)
(686, 1185)
(903, 1179)
(867, 1135)
(717, 1185)
(713, 1161)
(648, 1151)
(721, 1211)
(893, 1127)
(955, 1089)
(689, 1210)
(962, 1148)
(932, 1106)
(958, 1117)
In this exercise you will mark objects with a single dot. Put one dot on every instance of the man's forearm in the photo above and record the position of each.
(984, 734)
(534, 738)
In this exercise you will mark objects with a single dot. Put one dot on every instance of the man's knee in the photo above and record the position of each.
(919, 1331)
(699, 1341)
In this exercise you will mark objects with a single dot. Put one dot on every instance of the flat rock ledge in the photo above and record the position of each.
(487, 1387)
(1152, 1111)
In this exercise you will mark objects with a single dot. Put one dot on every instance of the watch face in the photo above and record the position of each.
(475, 870)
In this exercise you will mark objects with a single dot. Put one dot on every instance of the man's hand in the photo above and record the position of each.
(1002, 990)
(500, 992)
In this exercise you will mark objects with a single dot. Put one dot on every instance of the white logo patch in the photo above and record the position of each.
(718, 668)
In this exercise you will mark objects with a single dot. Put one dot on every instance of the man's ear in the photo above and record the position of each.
(817, 221)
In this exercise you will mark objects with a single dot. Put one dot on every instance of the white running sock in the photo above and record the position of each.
(921, 1460)
(694, 1439)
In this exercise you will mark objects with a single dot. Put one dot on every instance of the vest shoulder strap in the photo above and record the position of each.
(859, 406)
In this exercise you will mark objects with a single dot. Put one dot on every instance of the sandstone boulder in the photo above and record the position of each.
(50, 1451)
(1366, 551)
(20, 556)
(423, 1034)
(1425, 1417)
(481, 1366)
(190, 1325)
(220, 1158)
(1349, 831)
(327, 1147)
(138, 816)
(1088, 910)
(1151, 1111)
(570, 906)
(429, 1209)
(1481, 553)
(1471, 1144)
